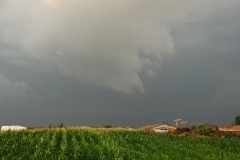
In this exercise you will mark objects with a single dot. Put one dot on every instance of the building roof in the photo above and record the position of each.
(229, 127)
(152, 126)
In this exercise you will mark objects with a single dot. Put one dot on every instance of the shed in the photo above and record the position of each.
(12, 128)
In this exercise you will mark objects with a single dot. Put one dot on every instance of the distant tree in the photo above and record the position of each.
(205, 129)
(237, 120)
(60, 125)
(164, 122)
(192, 127)
(107, 126)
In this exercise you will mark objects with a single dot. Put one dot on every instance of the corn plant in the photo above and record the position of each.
(102, 144)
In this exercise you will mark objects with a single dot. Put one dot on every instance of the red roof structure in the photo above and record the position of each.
(159, 126)
(234, 128)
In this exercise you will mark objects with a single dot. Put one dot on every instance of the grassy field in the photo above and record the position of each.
(109, 144)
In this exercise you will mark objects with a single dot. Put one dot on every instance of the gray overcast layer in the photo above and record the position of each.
(126, 62)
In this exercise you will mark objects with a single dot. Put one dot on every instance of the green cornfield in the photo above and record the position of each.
(113, 144)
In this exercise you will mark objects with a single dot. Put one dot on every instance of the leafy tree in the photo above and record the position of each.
(164, 122)
(107, 126)
(193, 127)
(237, 120)
(205, 129)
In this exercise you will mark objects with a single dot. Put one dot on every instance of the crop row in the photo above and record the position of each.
(106, 144)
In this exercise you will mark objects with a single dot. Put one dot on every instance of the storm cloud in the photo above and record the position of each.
(106, 43)
(160, 59)
(12, 89)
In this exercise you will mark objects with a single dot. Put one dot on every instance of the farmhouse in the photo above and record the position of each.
(12, 128)
(162, 128)
(234, 128)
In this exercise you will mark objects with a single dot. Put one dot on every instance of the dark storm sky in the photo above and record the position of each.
(127, 63)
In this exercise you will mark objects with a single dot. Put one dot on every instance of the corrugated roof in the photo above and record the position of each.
(148, 127)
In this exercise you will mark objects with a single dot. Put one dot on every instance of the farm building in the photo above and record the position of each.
(162, 128)
(234, 128)
(12, 128)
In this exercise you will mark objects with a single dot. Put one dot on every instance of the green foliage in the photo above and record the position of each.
(237, 120)
(107, 126)
(164, 122)
(230, 135)
(205, 129)
(192, 127)
(104, 144)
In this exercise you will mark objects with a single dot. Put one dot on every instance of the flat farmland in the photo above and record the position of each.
(114, 144)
